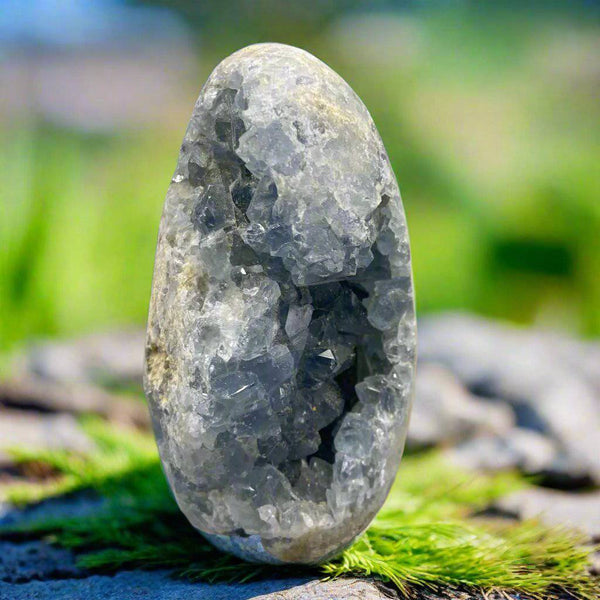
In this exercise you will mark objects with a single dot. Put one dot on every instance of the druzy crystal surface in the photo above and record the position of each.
(281, 335)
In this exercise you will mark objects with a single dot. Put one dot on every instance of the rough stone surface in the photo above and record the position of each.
(557, 508)
(519, 448)
(84, 505)
(32, 393)
(446, 413)
(159, 585)
(349, 589)
(35, 560)
(281, 336)
(142, 585)
(29, 429)
(550, 382)
(110, 358)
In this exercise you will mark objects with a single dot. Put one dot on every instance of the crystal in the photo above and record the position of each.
(281, 334)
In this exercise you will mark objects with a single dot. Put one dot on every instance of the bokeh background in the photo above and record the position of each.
(489, 112)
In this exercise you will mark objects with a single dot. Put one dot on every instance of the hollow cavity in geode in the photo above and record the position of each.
(280, 346)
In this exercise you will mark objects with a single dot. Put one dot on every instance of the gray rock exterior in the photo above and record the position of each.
(280, 346)
(551, 383)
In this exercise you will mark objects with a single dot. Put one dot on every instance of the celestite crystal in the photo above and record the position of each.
(281, 335)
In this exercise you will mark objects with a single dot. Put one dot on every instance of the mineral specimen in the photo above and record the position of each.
(281, 335)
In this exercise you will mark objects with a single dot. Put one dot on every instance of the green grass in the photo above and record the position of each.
(426, 534)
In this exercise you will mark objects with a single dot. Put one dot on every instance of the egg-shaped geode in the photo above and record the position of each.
(281, 335)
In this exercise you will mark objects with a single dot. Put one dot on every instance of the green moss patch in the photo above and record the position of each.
(427, 534)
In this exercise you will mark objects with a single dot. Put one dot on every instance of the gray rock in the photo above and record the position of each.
(445, 412)
(347, 589)
(519, 448)
(158, 585)
(548, 380)
(85, 375)
(35, 560)
(365, 589)
(281, 335)
(553, 507)
(78, 505)
(114, 358)
(142, 585)
(30, 429)
(38, 394)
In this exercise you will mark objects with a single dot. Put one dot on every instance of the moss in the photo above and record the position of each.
(426, 534)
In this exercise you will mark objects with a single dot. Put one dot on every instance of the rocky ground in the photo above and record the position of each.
(493, 397)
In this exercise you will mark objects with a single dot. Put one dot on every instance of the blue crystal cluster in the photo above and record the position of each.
(281, 335)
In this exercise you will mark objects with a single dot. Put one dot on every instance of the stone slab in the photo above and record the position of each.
(141, 585)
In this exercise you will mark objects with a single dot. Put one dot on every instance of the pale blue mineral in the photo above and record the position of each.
(281, 336)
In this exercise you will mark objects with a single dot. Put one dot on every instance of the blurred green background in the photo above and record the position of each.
(489, 112)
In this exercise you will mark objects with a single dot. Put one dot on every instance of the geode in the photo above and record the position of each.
(281, 335)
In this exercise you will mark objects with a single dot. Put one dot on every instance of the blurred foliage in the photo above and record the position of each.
(224, 29)
(243, 22)
(491, 122)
